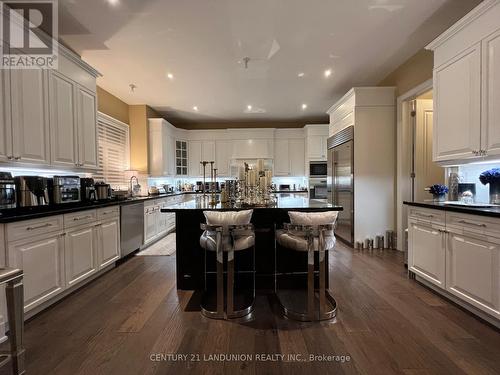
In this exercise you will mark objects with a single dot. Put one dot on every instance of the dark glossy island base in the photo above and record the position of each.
(290, 265)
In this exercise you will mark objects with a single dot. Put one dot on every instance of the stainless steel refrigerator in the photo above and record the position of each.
(340, 181)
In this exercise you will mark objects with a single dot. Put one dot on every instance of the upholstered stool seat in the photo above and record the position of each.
(226, 233)
(312, 233)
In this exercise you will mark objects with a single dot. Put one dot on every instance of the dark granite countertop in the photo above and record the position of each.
(27, 213)
(483, 211)
(287, 201)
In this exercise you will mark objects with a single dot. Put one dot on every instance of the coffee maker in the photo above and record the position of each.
(32, 191)
(88, 189)
(7, 191)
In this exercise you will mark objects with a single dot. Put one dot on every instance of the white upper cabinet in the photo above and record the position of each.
(195, 155)
(86, 121)
(161, 148)
(467, 87)
(223, 150)
(63, 131)
(457, 107)
(30, 128)
(281, 157)
(50, 116)
(491, 93)
(296, 150)
(316, 137)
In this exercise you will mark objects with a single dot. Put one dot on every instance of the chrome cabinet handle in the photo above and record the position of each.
(424, 215)
(39, 226)
(17, 158)
(82, 218)
(482, 225)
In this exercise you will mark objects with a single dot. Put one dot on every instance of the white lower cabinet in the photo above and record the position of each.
(150, 227)
(460, 255)
(473, 270)
(42, 260)
(427, 255)
(80, 254)
(108, 248)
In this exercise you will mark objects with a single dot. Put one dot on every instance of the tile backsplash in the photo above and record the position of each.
(470, 174)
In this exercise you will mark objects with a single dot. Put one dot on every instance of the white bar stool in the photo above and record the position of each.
(311, 233)
(225, 233)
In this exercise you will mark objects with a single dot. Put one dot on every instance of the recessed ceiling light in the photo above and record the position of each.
(113, 2)
(195, 108)
(304, 106)
(328, 73)
(170, 76)
(301, 74)
(249, 107)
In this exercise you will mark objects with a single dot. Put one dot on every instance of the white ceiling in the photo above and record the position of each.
(202, 43)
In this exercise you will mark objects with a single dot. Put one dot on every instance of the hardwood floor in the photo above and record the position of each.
(386, 324)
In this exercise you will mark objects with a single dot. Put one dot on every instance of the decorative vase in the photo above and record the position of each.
(439, 198)
(495, 192)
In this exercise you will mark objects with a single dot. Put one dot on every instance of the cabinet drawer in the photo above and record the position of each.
(108, 212)
(30, 228)
(78, 218)
(474, 224)
(427, 215)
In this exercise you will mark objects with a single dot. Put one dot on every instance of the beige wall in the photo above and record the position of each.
(112, 106)
(139, 145)
(414, 71)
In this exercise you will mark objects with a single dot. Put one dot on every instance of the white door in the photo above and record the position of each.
(80, 254)
(427, 172)
(473, 271)
(427, 249)
(490, 141)
(297, 157)
(194, 158)
(109, 243)
(42, 261)
(87, 127)
(29, 104)
(149, 225)
(63, 133)
(223, 150)
(5, 122)
(281, 157)
(457, 107)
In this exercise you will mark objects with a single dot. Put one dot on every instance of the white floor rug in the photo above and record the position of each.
(165, 246)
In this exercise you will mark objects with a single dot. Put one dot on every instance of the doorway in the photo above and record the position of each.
(415, 169)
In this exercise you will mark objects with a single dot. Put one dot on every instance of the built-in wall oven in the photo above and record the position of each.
(318, 169)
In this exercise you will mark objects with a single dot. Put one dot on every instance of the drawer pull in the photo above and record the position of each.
(39, 226)
(482, 225)
(424, 215)
(82, 218)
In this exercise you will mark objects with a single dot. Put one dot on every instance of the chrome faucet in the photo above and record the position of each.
(136, 187)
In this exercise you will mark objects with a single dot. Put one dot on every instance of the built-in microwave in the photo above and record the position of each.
(317, 169)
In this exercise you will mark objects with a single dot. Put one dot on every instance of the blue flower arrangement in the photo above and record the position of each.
(438, 189)
(491, 176)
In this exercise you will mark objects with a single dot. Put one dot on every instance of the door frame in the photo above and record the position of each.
(403, 136)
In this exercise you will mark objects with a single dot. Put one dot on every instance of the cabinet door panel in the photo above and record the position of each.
(223, 150)
(281, 157)
(297, 157)
(149, 226)
(427, 252)
(30, 130)
(5, 121)
(80, 254)
(87, 128)
(62, 121)
(316, 147)
(473, 271)
(491, 93)
(457, 108)
(43, 264)
(194, 158)
(109, 244)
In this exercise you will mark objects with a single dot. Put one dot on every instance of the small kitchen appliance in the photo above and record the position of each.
(32, 191)
(87, 189)
(7, 191)
(103, 191)
(65, 189)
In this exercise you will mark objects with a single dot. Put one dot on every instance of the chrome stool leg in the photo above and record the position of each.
(219, 259)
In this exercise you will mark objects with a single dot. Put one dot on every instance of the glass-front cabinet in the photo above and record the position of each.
(181, 158)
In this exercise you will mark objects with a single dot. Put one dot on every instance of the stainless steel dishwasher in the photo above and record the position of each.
(131, 227)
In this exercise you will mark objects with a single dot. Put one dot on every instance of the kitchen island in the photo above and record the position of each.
(190, 255)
